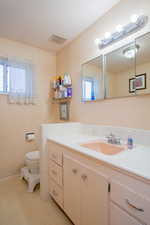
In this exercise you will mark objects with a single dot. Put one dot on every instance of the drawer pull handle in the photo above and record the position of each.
(84, 177)
(54, 172)
(133, 206)
(74, 171)
(54, 193)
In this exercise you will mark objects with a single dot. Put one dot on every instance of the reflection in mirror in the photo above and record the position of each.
(119, 72)
(143, 65)
(92, 80)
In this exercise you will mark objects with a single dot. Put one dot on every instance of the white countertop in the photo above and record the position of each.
(135, 161)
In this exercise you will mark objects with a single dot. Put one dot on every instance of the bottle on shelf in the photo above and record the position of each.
(56, 94)
(62, 86)
(67, 79)
(59, 80)
(69, 92)
(54, 84)
(65, 93)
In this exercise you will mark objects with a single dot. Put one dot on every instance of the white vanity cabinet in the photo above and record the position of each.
(85, 194)
(92, 193)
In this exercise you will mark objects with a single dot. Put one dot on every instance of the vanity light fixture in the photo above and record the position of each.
(131, 51)
(137, 23)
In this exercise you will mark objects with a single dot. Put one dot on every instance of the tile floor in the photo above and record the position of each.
(18, 207)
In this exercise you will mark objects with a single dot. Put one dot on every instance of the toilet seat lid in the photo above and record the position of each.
(35, 155)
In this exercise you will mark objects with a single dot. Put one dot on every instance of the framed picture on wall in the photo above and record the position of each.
(64, 111)
(138, 83)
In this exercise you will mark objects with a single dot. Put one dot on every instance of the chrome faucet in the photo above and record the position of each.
(112, 139)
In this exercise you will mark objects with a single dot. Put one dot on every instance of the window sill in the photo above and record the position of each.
(3, 93)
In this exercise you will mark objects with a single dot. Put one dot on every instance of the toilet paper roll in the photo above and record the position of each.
(30, 136)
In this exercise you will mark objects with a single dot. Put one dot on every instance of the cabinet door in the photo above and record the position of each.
(94, 197)
(120, 217)
(72, 189)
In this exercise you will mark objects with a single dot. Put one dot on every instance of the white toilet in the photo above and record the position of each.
(31, 171)
(32, 160)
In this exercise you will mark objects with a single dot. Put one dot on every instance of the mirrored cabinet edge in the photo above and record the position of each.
(120, 73)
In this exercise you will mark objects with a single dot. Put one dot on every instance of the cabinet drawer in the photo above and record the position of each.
(57, 193)
(136, 204)
(120, 217)
(55, 172)
(55, 153)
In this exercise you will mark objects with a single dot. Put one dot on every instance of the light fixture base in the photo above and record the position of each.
(126, 31)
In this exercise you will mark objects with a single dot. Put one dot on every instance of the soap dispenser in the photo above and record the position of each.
(130, 142)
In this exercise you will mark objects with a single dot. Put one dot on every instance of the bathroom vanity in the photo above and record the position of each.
(91, 186)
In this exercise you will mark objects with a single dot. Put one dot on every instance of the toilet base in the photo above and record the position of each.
(32, 179)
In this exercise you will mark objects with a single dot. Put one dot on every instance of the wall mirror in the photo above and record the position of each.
(119, 72)
(92, 79)
(142, 82)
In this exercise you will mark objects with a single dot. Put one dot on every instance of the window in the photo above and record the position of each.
(17, 77)
(12, 76)
(88, 89)
(16, 80)
(1, 78)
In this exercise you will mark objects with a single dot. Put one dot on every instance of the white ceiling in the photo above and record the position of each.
(34, 21)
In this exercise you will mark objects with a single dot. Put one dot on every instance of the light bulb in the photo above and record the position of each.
(131, 51)
(97, 41)
(134, 18)
(107, 35)
(119, 28)
(130, 54)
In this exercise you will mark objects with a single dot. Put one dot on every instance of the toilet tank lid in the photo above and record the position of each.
(35, 155)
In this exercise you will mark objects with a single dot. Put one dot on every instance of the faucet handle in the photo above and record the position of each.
(118, 140)
(110, 138)
(111, 134)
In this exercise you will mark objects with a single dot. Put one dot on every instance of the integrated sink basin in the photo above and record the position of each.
(105, 148)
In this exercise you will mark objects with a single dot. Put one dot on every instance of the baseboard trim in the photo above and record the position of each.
(9, 177)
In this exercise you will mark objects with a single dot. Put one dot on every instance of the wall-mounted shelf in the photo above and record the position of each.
(61, 89)
(59, 100)
(64, 85)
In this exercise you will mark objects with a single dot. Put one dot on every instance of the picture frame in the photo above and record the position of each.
(64, 111)
(137, 83)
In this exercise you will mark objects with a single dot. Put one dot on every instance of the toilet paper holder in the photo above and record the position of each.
(29, 136)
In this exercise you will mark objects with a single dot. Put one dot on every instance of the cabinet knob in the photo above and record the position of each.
(74, 171)
(84, 177)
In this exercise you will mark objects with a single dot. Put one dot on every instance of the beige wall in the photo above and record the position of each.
(15, 120)
(130, 112)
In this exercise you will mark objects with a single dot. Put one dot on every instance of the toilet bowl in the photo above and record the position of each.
(31, 171)
(32, 160)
